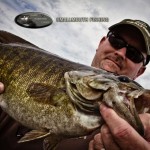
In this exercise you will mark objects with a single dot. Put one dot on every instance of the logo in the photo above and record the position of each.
(33, 20)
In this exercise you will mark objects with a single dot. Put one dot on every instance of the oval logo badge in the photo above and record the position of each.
(33, 20)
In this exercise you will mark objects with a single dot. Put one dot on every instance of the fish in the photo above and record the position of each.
(60, 99)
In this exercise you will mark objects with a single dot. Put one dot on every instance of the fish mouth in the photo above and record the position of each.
(88, 89)
(130, 114)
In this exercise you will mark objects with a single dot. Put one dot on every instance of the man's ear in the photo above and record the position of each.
(140, 72)
(102, 40)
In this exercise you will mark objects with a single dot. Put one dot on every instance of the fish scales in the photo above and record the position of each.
(29, 66)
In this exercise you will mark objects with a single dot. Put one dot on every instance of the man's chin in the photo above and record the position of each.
(110, 68)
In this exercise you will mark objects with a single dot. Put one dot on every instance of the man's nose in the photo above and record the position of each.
(121, 52)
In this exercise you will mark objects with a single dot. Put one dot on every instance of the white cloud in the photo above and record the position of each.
(76, 41)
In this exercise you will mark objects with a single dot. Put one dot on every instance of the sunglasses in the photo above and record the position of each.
(131, 52)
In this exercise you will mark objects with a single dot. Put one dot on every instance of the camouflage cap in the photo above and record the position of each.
(144, 29)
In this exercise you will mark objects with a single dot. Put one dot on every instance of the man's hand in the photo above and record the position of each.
(117, 134)
(1, 87)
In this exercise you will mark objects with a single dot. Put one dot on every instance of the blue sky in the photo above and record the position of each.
(76, 41)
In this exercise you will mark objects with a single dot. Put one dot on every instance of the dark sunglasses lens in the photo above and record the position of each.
(134, 55)
(116, 42)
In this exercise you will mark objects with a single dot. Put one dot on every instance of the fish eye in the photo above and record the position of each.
(124, 79)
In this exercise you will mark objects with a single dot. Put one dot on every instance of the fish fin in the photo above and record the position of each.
(51, 142)
(7, 37)
(34, 134)
(46, 94)
(39, 89)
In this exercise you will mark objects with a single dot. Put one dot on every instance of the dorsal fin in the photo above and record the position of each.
(7, 37)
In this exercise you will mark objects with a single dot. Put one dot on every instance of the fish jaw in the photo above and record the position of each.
(87, 89)
(127, 111)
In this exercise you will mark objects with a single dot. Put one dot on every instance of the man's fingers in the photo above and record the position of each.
(96, 143)
(145, 118)
(122, 132)
(91, 145)
(108, 139)
(1, 87)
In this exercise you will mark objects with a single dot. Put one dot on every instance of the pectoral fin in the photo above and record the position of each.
(39, 90)
(34, 134)
(46, 94)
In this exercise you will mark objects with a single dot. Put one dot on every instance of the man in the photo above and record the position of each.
(125, 50)
(119, 53)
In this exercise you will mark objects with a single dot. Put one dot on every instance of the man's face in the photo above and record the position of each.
(114, 60)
